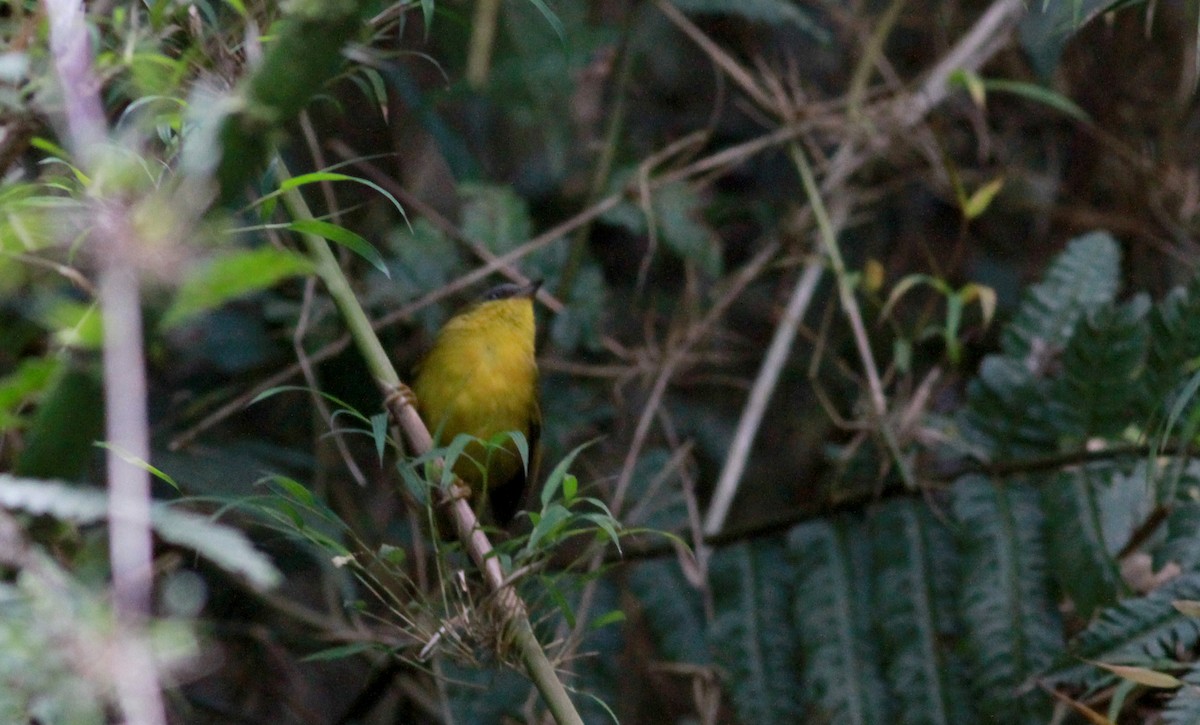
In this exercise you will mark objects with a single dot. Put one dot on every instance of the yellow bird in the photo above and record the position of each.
(481, 378)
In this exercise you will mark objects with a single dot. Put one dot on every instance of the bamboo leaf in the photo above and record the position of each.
(230, 276)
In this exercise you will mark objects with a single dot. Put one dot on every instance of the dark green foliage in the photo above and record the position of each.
(673, 610)
(485, 694)
(1082, 559)
(68, 422)
(1184, 707)
(1141, 631)
(1048, 26)
(1174, 340)
(942, 604)
(306, 53)
(1099, 393)
(914, 594)
(752, 633)
(1008, 414)
(1015, 408)
(834, 618)
(1084, 276)
(1012, 625)
(1182, 542)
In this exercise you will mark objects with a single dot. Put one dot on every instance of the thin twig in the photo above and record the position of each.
(760, 395)
(740, 76)
(672, 361)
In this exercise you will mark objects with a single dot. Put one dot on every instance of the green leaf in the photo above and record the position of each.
(1047, 27)
(679, 219)
(972, 82)
(555, 479)
(612, 617)
(131, 459)
(230, 276)
(608, 525)
(570, 487)
(550, 17)
(1012, 626)
(75, 324)
(394, 555)
(379, 433)
(979, 201)
(1182, 543)
(559, 601)
(552, 520)
(833, 614)
(344, 237)
(31, 378)
(295, 489)
(522, 443)
(1039, 94)
(68, 420)
(340, 652)
(296, 182)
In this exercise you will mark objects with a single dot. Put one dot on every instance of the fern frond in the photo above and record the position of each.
(1084, 276)
(834, 617)
(1174, 340)
(1184, 707)
(1135, 632)
(1082, 561)
(1012, 625)
(672, 609)
(751, 635)
(914, 560)
(1182, 544)
(223, 545)
(1101, 390)
(1008, 412)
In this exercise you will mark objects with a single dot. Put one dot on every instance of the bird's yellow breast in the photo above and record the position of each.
(480, 378)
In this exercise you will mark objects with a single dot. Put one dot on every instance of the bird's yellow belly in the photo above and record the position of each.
(474, 395)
